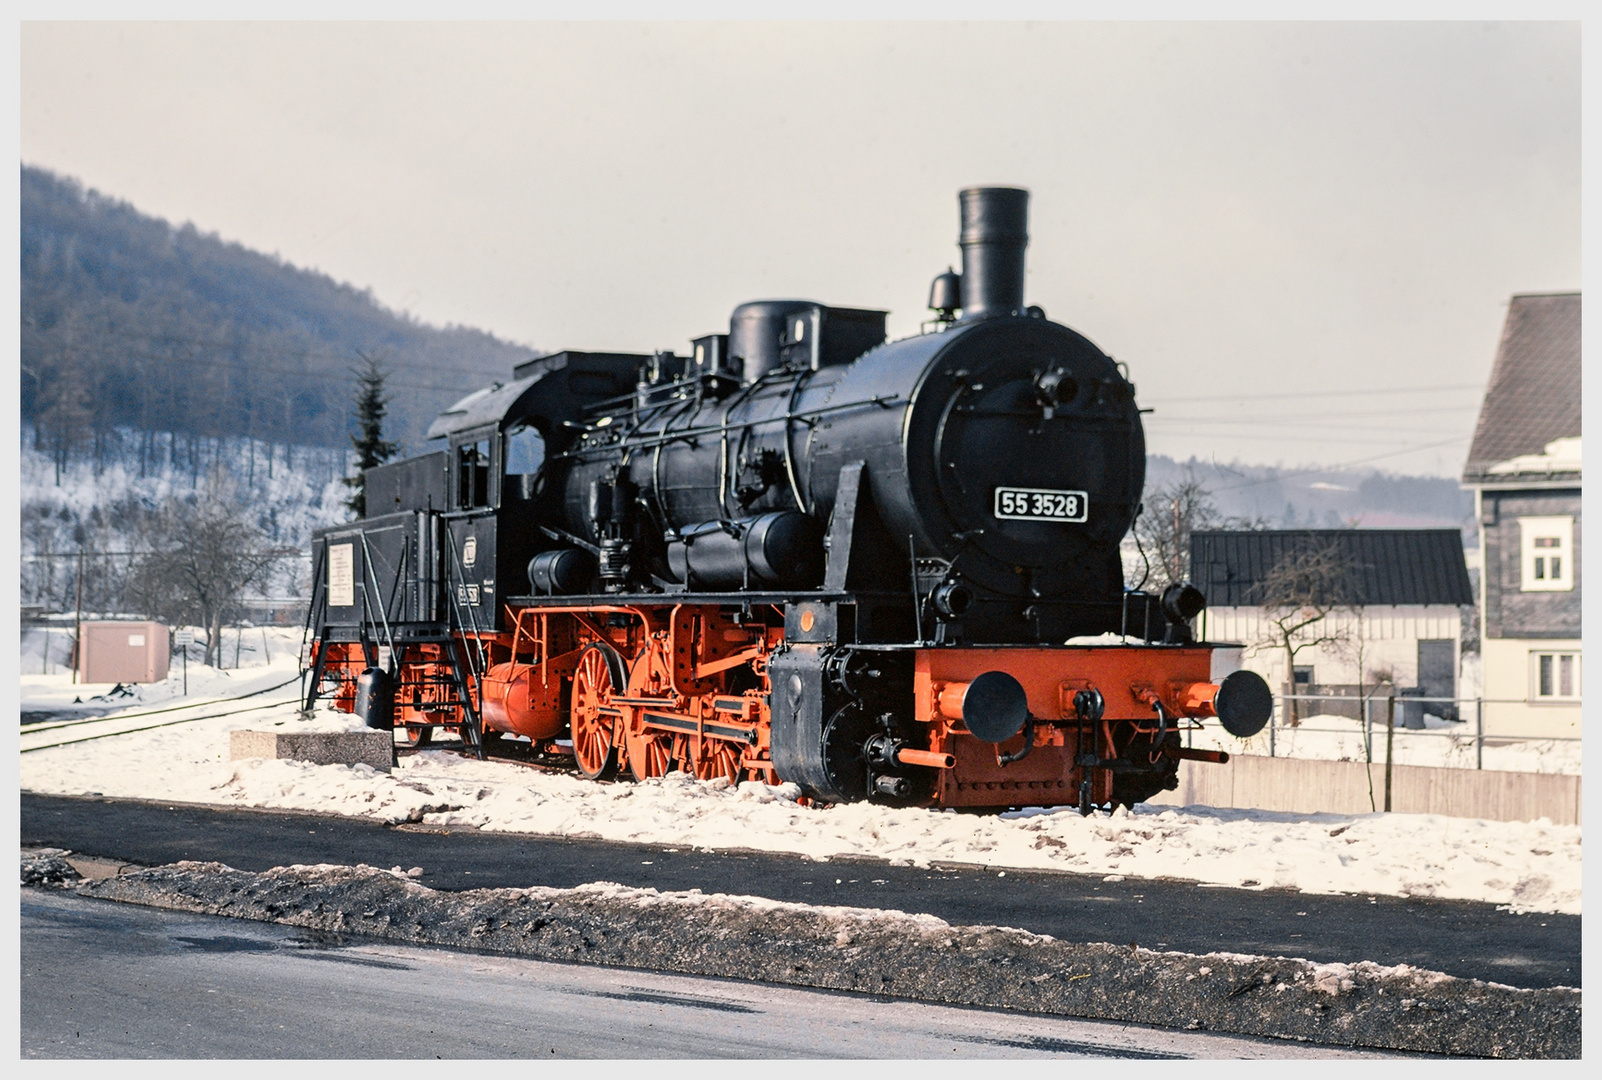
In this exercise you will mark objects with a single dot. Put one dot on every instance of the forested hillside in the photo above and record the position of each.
(109, 513)
(135, 328)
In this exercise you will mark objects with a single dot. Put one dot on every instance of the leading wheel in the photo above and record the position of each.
(419, 735)
(594, 682)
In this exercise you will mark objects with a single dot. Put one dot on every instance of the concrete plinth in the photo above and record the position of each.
(375, 748)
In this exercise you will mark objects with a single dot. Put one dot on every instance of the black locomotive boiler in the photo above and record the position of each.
(881, 570)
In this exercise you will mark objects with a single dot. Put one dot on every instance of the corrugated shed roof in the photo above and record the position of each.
(1533, 397)
(1385, 566)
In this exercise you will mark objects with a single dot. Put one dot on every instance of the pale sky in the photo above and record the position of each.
(1300, 237)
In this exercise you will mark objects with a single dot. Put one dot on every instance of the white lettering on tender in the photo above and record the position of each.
(341, 575)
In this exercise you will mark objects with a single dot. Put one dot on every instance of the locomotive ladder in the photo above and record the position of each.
(451, 642)
(473, 728)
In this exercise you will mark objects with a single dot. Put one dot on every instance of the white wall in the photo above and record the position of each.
(1389, 635)
(1508, 709)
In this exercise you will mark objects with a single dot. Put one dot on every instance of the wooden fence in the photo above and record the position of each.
(1342, 787)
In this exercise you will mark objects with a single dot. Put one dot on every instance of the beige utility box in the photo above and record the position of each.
(123, 652)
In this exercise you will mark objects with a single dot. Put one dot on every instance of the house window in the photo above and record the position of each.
(1547, 554)
(1554, 676)
(1303, 677)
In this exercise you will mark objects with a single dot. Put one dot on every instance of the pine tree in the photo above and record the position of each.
(371, 448)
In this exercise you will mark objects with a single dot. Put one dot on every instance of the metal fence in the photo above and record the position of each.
(1379, 717)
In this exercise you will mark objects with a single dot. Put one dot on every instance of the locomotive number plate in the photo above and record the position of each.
(1041, 504)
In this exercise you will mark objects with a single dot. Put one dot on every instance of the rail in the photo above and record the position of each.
(168, 723)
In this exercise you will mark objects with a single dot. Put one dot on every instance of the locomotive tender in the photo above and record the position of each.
(798, 553)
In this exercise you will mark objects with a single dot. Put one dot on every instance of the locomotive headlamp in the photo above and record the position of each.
(1056, 387)
(1182, 602)
(951, 599)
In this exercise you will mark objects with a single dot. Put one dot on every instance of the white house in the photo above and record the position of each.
(1396, 607)
(1524, 470)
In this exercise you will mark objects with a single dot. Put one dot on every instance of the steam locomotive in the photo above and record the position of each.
(882, 570)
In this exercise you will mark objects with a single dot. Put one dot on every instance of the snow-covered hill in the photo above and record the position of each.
(94, 506)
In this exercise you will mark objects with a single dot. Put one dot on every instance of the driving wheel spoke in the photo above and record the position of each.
(594, 749)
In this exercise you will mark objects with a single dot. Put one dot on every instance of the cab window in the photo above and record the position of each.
(473, 474)
(524, 452)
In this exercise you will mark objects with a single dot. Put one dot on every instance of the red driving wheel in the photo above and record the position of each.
(594, 682)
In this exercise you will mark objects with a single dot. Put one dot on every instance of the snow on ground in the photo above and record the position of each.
(1529, 866)
(266, 655)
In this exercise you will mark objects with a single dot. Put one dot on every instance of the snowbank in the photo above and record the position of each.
(887, 952)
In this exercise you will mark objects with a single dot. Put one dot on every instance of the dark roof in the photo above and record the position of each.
(1534, 393)
(556, 386)
(1387, 566)
(487, 406)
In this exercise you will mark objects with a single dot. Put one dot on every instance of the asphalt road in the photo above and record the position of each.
(104, 980)
(1457, 937)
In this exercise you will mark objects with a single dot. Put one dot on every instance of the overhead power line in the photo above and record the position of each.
(1344, 464)
(256, 366)
(250, 346)
(1357, 412)
(1320, 394)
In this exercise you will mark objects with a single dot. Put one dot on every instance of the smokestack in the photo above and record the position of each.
(995, 230)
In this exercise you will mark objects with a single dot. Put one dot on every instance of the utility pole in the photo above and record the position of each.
(183, 638)
(77, 622)
(1177, 553)
(1390, 736)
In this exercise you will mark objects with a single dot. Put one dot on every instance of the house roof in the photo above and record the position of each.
(1384, 566)
(1533, 398)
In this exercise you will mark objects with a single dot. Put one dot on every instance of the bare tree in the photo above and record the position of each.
(203, 553)
(1298, 596)
(1169, 514)
(1372, 679)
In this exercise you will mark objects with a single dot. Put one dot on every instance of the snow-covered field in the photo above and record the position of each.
(1529, 866)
